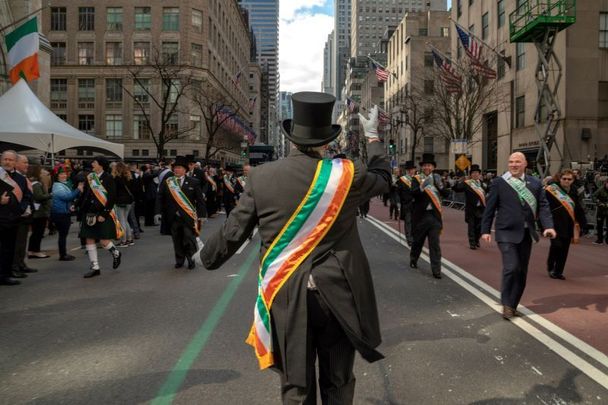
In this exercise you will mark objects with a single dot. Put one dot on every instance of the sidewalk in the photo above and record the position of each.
(578, 305)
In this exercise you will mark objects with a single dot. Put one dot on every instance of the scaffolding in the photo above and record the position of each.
(539, 21)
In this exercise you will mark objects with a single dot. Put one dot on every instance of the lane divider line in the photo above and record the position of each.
(490, 299)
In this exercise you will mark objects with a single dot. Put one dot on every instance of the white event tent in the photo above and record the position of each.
(25, 121)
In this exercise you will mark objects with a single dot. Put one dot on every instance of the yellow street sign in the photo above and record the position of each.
(462, 162)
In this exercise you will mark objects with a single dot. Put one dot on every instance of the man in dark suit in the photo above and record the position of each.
(406, 199)
(428, 189)
(150, 190)
(326, 305)
(183, 211)
(475, 202)
(520, 200)
(25, 221)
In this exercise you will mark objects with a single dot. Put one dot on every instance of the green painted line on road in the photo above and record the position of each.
(179, 372)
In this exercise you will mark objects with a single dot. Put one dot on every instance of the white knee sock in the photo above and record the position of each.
(92, 252)
(110, 246)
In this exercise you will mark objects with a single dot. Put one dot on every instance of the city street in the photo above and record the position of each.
(148, 333)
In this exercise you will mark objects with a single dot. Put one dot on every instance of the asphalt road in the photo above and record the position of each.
(150, 333)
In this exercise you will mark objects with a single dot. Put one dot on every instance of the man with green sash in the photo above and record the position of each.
(518, 200)
(475, 202)
(316, 299)
(406, 199)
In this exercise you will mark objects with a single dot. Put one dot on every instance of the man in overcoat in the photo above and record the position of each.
(326, 308)
(475, 202)
(406, 199)
(518, 200)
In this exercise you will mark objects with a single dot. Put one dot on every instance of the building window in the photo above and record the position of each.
(520, 111)
(603, 100)
(114, 18)
(423, 32)
(170, 19)
(520, 61)
(113, 126)
(141, 89)
(174, 90)
(500, 11)
(135, 152)
(197, 21)
(173, 152)
(143, 18)
(428, 144)
(444, 32)
(428, 87)
(485, 26)
(86, 18)
(500, 66)
(428, 59)
(170, 52)
(141, 129)
(59, 93)
(58, 18)
(86, 91)
(86, 123)
(603, 30)
(113, 90)
(114, 53)
(195, 124)
(458, 8)
(58, 56)
(145, 152)
(86, 53)
(171, 127)
(141, 53)
(197, 55)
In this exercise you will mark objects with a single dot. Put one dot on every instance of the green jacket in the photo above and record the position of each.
(600, 197)
(43, 198)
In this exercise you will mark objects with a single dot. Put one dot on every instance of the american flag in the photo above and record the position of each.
(473, 50)
(383, 117)
(237, 78)
(381, 73)
(351, 105)
(450, 78)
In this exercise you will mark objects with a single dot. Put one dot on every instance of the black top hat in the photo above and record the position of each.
(311, 124)
(475, 168)
(181, 161)
(428, 158)
(103, 162)
(190, 159)
(410, 165)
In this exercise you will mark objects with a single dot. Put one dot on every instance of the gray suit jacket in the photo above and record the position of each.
(338, 264)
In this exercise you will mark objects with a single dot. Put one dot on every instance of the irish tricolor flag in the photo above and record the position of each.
(22, 45)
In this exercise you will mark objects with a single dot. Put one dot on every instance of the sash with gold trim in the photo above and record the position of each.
(211, 181)
(525, 195)
(242, 181)
(100, 192)
(5, 177)
(187, 210)
(307, 226)
(431, 191)
(228, 185)
(475, 185)
(407, 180)
(566, 201)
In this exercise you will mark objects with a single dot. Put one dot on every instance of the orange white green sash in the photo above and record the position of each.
(307, 226)
(525, 195)
(5, 177)
(228, 184)
(100, 192)
(407, 180)
(242, 181)
(475, 185)
(211, 181)
(186, 208)
(564, 199)
(431, 191)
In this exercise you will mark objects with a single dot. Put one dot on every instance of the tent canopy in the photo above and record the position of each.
(25, 121)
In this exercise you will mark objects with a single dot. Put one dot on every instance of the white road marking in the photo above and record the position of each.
(537, 371)
(244, 245)
(489, 297)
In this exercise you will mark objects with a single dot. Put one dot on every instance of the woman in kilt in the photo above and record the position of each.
(99, 222)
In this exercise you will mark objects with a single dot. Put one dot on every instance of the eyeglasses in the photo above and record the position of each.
(567, 179)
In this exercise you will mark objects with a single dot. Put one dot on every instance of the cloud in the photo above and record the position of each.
(303, 33)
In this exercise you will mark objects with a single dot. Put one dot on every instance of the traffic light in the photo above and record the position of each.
(392, 148)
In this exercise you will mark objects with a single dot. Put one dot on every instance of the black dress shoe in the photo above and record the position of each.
(18, 274)
(9, 281)
(413, 264)
(179, 265)
(28, 270)
(437, 275)
(191, 264)
(116, 260)
(556, 276)
(472, 247)
(477, 245)
(67, 258)
(92, 273)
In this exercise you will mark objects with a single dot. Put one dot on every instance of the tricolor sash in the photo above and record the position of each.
(475, 185)
(568, 203)
(100, 192)
(5, 177)
(228, 185)
(431, 191)
(242, 181)
(307, 226)
(211, 181)
(185, 206)
(525, 195)
(407, 180)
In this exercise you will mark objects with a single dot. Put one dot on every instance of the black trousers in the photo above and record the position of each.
(474, 230)
(184, 240)
(38, 227)
(149, 212)
(427, 227)
(327, 342)
(406, 217)
(558, 254)
(62, 223)
(515, 259)
(7, 249)
(601, 222)
(23, 229)
(393, 210)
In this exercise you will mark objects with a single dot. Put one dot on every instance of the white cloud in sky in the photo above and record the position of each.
(302, 36)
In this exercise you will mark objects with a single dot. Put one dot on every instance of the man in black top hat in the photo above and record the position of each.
(325, 307)
(475, 202)
(406, 198)
(428, 189)
(182, 207)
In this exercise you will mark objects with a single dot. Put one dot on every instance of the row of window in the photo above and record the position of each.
(142, 19)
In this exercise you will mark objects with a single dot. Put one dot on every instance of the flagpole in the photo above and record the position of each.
(380, 64)
(506, 59)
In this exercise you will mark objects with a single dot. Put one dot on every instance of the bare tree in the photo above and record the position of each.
(158, 90)
(417, 111)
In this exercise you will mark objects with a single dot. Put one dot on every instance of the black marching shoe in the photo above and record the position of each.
(472, 247)
(67, 258)
(437, 275)
(191, 264)
(9, 281)
(477, 245)
(116, 259)
(28, 270)
(92, 273)
(413, 264)
(556, 276)
(179, 265)
(18, 274)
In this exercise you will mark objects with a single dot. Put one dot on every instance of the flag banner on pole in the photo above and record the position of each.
(351, 105)
(381, 73)
(383, 117)
(22, 45)
(448, 75)
(473, 50)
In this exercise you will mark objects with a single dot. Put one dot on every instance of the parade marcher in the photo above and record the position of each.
(428, 189)
(150, 190)
(99, 221)
(518, 200)
(62, 208)
(568, 220)
(393, 210)
(600, 197)
(25, 221)
(124, 201)
(12, 206)
(229, 191)
(241, 180)
(137, 209)
(406, 199)
(316, 298)
(183, 207)
(211, 192)
(42, 211)
(475, 202)
(165, 173)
